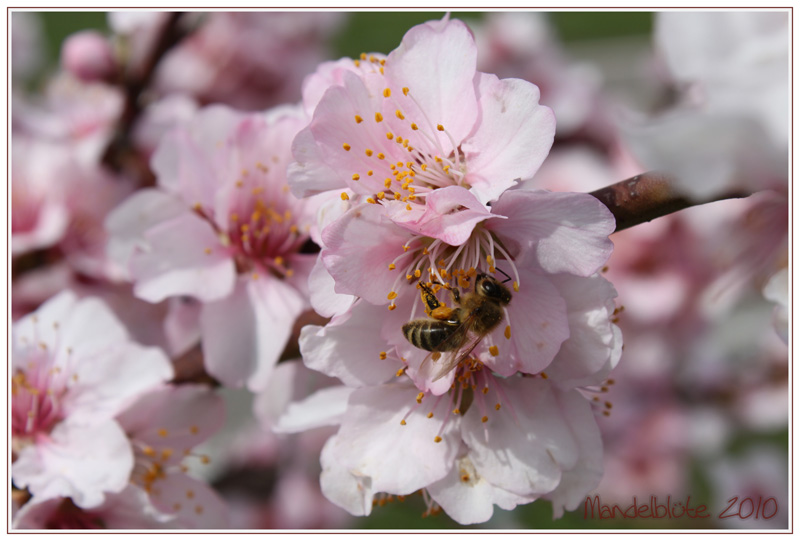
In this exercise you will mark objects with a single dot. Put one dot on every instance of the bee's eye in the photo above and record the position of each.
(489, 288)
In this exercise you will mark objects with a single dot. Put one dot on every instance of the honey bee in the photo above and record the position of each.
(456, 331)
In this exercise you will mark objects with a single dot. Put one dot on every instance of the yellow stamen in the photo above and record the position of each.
(346, 146)
(359, 120)
(378, 117)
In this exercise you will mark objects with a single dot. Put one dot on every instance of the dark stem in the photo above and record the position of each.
(120, 151)
(646, 197)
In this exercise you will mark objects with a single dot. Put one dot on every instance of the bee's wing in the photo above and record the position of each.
(454, 358)
(453, 349)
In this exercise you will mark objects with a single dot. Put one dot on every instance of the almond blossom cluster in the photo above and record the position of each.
(425, 151)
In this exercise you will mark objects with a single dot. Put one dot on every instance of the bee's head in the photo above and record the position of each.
(487, 286)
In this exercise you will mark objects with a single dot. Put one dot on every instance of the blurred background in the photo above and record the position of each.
(698, 406)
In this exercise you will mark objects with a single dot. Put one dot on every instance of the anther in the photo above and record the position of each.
(346, 146)
(356, 176)
(392, 266)
(494, 350)
(440, 127)
(387, 92)
(399, 114)
(405, 91)
(378, 117)
(484, 419)
(345, 197)
(392, 295)
(437, 439)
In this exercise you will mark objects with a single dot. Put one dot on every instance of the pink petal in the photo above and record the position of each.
(449, 214)
(349, 346)
(299, 397)
(309, 175)
(324, 299)
(345, 488)
(512, 139)
(182, 324)
(78, 462)
(578, 481)
(363, 240)
(524, 447)
(107, 383)
(594, 345)
(193, 503)
(188, 414)
(436, 61)
(176, 262)
(396, 458)
(538, 320)
(468, 498)
(245, 333)
(128, 223)
(568, 232)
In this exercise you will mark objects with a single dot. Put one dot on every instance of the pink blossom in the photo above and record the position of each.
(222, 228)
(163, 427)
(74, 369)
(419, 119)
(60, 203)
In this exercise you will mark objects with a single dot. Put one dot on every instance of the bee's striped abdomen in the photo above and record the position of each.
(429, 334)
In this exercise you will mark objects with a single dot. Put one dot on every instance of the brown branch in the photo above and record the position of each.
(646, 197)
(120, 150)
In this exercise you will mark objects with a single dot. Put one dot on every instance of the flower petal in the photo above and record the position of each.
(449, 214)
(245, 333)
(363, 242)
(176, 262)
(78, 462)
(513, 138)
(568, 232)
(594, 345)
(396, 458)
(468, 498)
(437, 62)
(349, 347)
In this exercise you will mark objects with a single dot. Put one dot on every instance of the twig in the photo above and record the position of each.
(646, 197)
(119, 148)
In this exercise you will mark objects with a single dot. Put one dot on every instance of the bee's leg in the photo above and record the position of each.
(429, 298)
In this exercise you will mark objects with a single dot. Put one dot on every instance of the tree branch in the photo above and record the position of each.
(646, 197)
(119, 149)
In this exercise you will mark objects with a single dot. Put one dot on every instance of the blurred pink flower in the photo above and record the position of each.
(422, 118)
(223, 228)
(163, 427)
(729, 129)
(248, 60)
(60, 203)
(74, 369)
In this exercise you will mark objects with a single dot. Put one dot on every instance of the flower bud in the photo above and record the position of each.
(88, 56)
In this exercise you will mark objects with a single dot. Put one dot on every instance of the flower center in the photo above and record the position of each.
(259, 231)
(37, 390)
